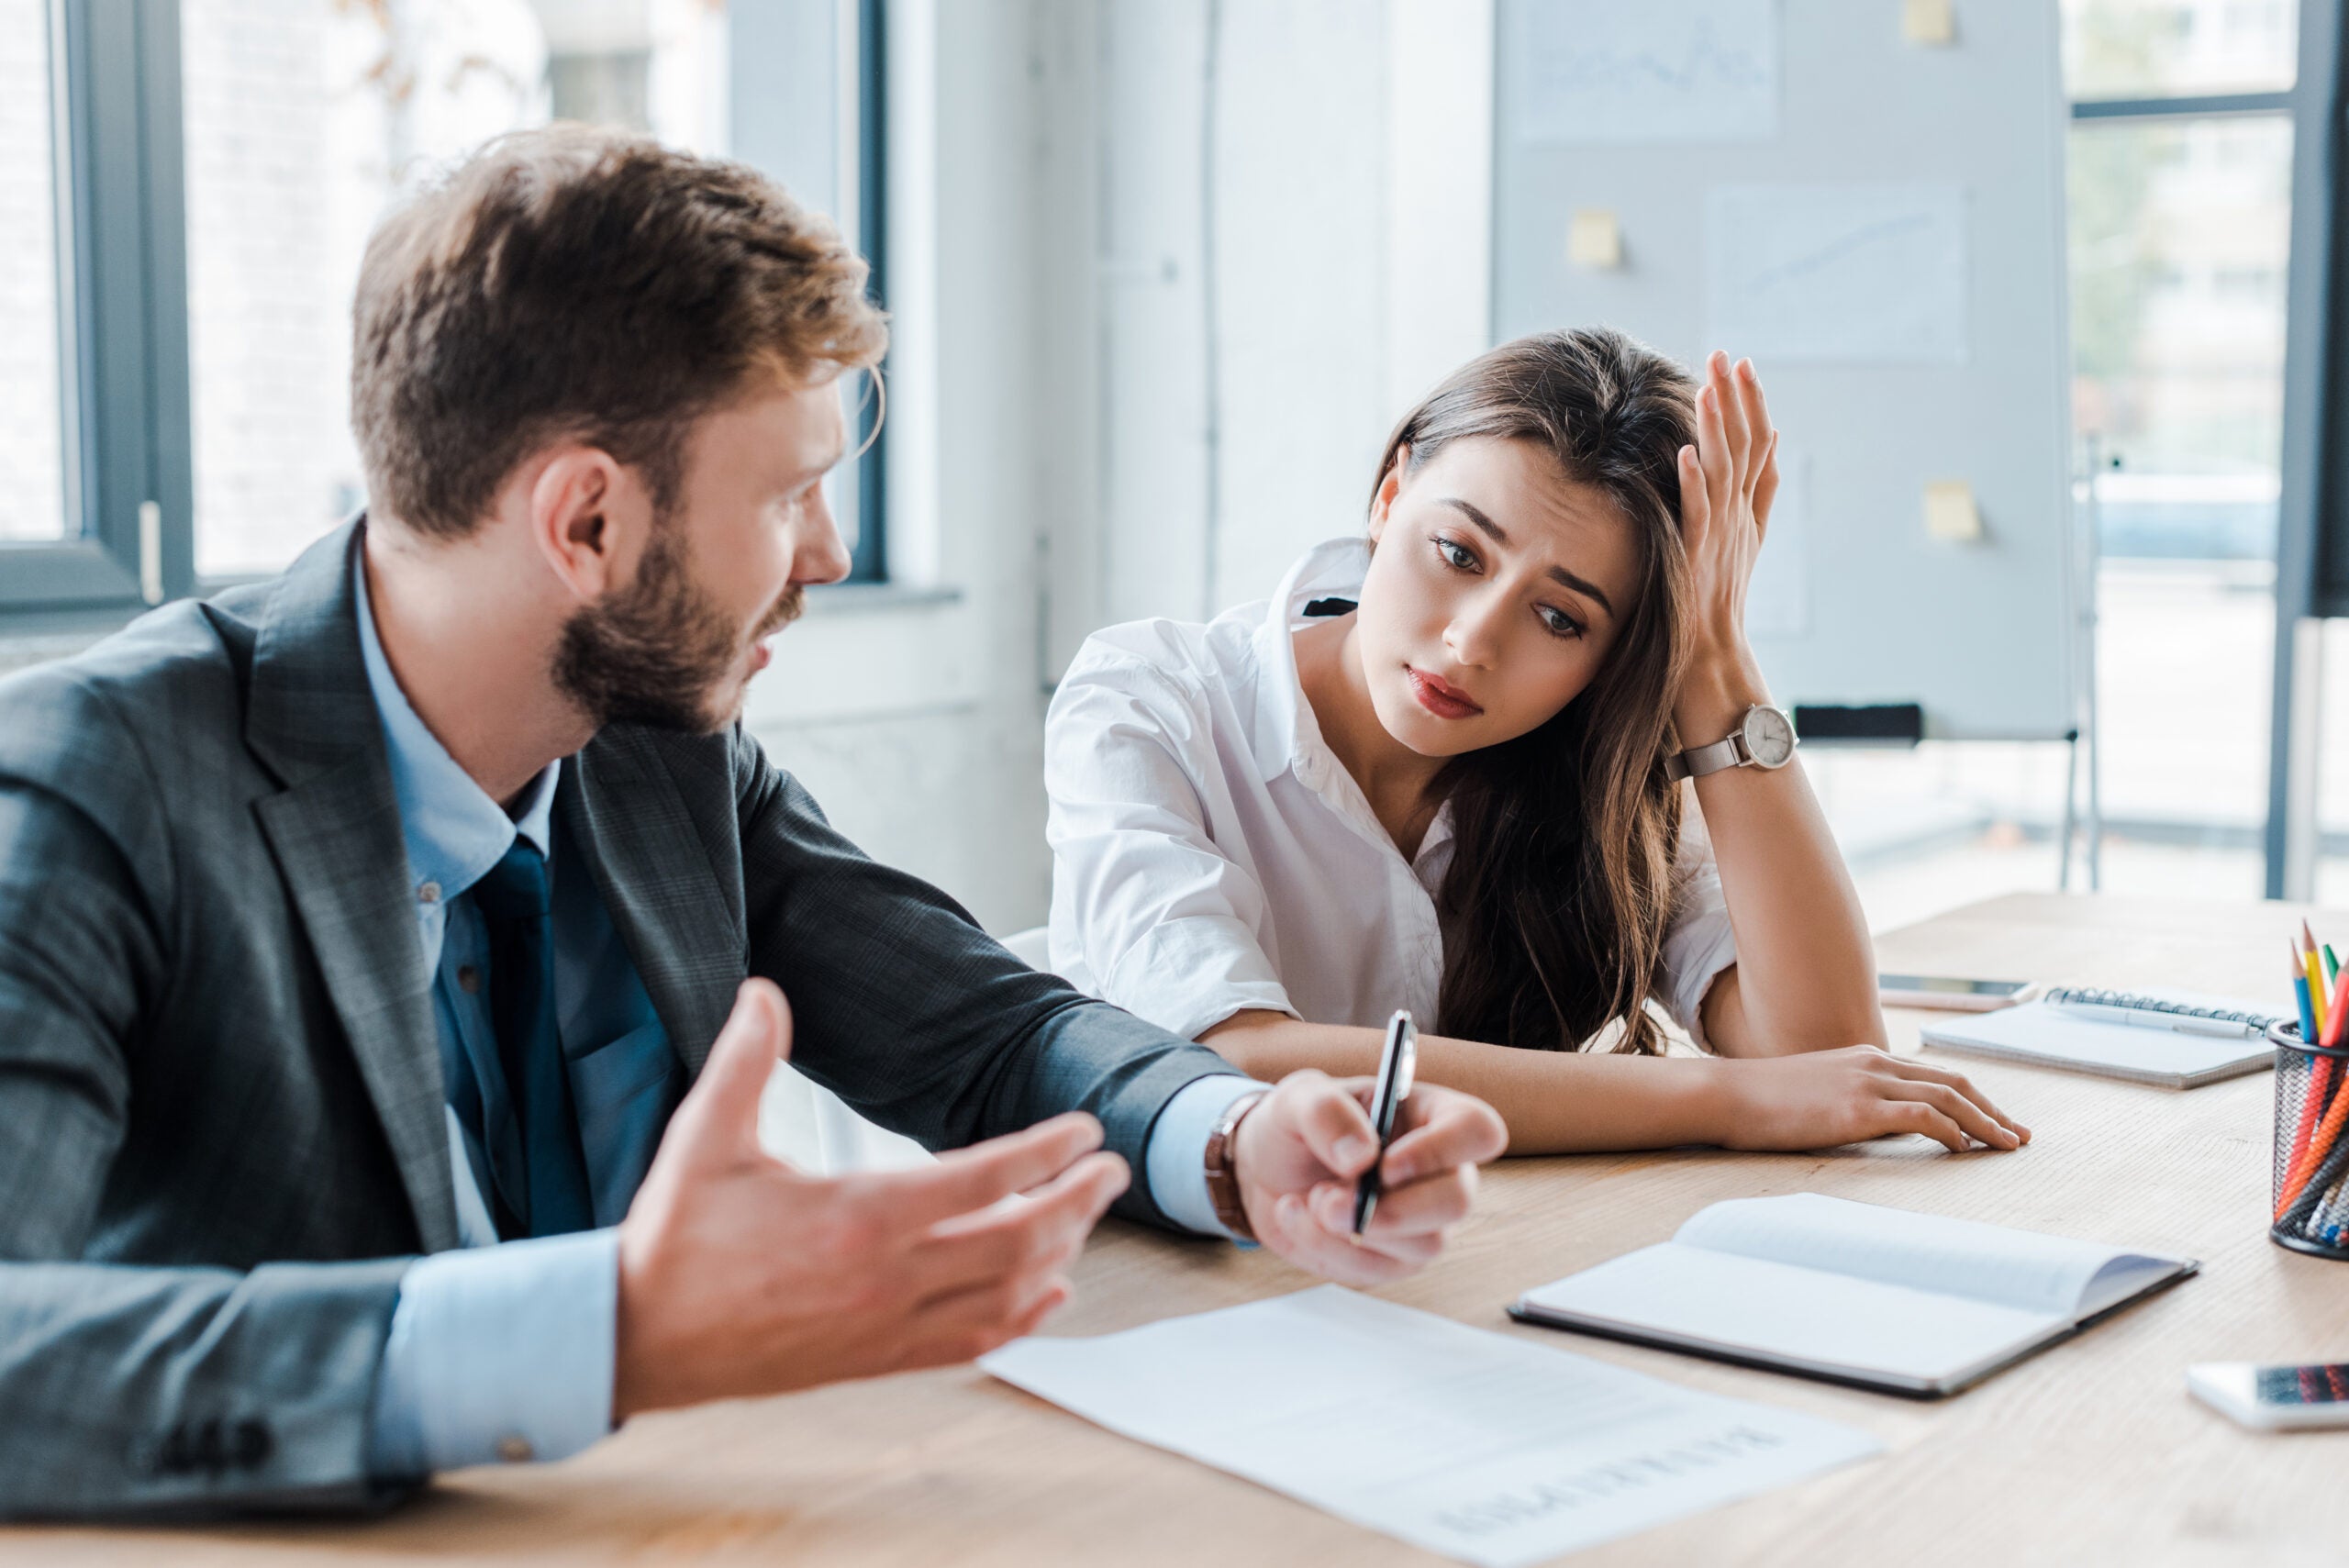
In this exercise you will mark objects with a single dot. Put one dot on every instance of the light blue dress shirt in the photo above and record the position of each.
(503, 1351)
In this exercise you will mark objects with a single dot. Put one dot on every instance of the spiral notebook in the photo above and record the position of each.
(2177, 1038)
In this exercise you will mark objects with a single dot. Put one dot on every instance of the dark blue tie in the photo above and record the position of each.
(550, 1196)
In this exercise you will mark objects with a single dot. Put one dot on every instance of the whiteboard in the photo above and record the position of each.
(1880, 223)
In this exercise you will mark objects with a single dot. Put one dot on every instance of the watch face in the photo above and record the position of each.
(1769, 737)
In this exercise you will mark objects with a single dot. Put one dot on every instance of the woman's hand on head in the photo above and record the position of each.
(1823, 1098)
(1727, 480)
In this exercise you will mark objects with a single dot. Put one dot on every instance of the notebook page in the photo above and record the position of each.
(2024, 1270)
(2123, 1277)
(1826, 1321)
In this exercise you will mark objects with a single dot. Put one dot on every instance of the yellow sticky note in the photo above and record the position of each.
(1950, 511)
(1595, 239)
(1929, 22)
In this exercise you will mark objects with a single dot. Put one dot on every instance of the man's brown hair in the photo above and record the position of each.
(576, 283)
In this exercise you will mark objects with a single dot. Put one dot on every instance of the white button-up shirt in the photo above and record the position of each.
(1210, 854)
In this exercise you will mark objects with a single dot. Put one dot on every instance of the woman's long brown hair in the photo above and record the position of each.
(1554, 907)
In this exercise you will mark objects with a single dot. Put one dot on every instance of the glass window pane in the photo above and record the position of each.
(2179, 236)
(303, 119)
(32, 449)
(2160, 48)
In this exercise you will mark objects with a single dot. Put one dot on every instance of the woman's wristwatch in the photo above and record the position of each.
(1765, 738)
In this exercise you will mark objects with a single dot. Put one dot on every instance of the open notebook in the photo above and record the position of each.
(1885, 1299)
(2175, 1039)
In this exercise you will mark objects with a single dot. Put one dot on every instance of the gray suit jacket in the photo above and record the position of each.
(222, 1135)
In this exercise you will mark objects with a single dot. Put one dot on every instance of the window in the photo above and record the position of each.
(2168, 49)
(2177, 330)
(234, 155)
(2180, 171)
(2180, 211)
(302, 121)
(32, 391)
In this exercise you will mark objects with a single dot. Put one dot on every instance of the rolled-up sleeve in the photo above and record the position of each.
(1698, 944)
(1148, 912)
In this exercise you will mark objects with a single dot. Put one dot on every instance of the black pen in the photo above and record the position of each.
(1397, 1064)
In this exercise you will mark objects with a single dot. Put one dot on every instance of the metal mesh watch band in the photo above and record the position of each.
(1699, 761)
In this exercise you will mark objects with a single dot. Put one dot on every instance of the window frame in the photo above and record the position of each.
(124, 385)
(869, 176)
(2312, 105)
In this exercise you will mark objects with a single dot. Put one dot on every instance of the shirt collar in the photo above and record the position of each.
(454, 832)
(1288, 737)
(1285, 729)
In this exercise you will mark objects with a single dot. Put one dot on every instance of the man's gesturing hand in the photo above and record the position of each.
(739, 1275)
(1297, 1153)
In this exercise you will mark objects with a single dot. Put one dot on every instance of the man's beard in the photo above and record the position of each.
(660, 652)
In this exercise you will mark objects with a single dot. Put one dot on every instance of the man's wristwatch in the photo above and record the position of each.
(1765, 738)
(1223, 1171)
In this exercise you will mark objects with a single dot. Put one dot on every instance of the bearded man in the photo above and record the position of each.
(392, 954)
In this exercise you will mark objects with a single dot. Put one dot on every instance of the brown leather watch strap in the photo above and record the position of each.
(1223, 1175)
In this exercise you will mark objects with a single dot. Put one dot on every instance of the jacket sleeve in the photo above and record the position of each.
(909, 1012)
(126, 1389)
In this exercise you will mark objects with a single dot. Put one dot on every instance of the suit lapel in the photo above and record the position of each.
(624, 811)
(336, 832)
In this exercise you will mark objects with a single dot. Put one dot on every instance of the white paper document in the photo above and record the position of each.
(1474, 1444)
(1850, 275)
(1604, 72)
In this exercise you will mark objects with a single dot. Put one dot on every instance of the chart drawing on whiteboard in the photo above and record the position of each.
(1610, 71)
(1853, 274)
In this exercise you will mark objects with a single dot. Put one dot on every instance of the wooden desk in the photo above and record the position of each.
(2091, 1453)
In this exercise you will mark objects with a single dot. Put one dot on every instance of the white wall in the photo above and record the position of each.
(1292, 244)
(916, 719)
(1049, 452)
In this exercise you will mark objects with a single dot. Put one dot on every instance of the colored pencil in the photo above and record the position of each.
(2310, 962)
(2324, 1079)
(2311, 1106)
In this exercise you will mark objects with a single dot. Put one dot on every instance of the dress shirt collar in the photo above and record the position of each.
(1286, 734)
(1288, 737)
(454, 832)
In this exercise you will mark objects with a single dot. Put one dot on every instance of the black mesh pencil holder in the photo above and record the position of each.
(2310, 1199)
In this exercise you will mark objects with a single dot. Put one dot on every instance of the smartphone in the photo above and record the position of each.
(2275, 1398)
(1398, 1066)
(1949, 994)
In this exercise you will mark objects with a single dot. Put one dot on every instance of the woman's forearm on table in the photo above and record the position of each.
(1554, 1102)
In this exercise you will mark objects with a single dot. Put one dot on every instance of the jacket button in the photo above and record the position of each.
(252, 1445)
(515, 1448)
(211, 1446)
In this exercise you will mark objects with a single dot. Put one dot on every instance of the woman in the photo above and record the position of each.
(1438, 772)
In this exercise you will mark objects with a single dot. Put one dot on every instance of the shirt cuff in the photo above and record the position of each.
(1174, 1160)
(499, 1352)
